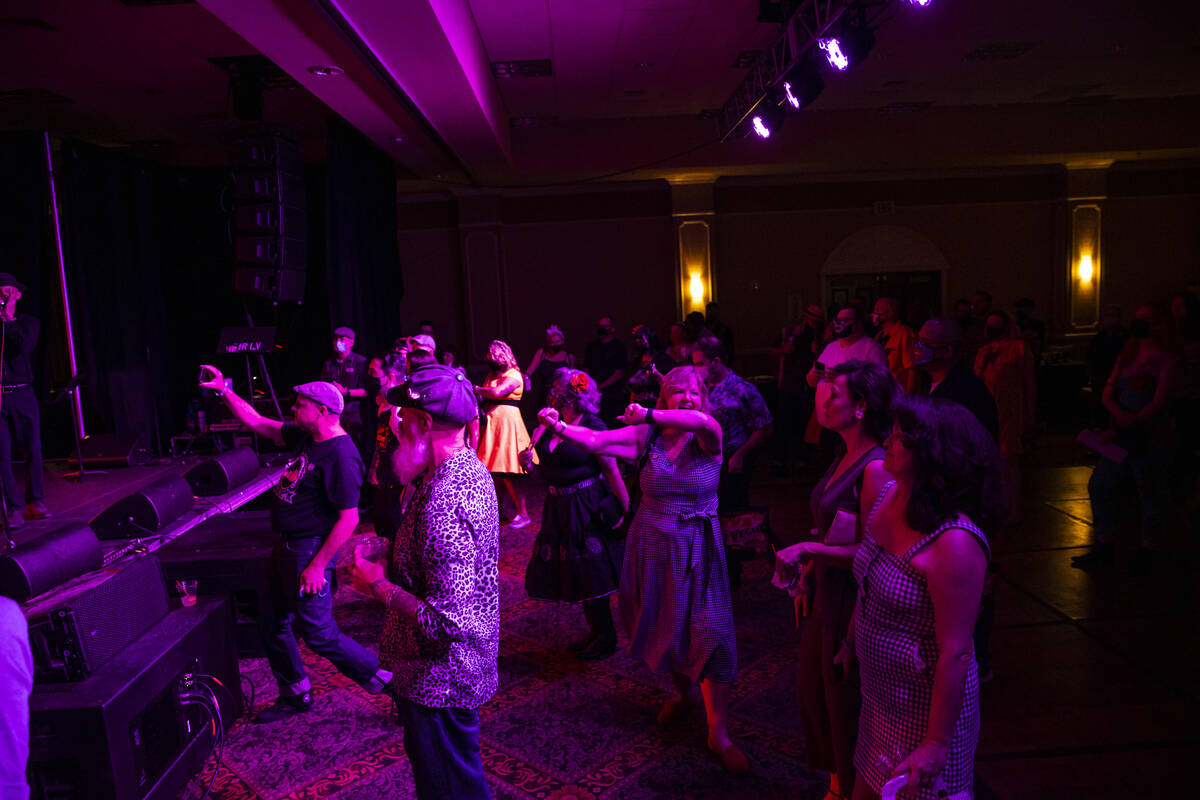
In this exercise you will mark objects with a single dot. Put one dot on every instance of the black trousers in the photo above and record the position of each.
(21, 427)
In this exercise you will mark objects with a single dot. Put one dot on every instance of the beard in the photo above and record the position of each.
(410, 458)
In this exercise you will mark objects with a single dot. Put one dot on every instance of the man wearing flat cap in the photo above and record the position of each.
(314, 508)
(347, 371)
(441, 591)
(20, 420)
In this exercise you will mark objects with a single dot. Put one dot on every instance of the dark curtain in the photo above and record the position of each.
(362, 259)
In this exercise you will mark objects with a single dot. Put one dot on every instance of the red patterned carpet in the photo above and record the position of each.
(557, 728)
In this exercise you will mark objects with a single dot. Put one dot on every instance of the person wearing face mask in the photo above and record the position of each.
(674, 596)
(441, 635)
(504, 435)
(314, 509)
(606, 360)
(896, 339)
(943, 373)
(1138, 395)
(849, 342)
(548, 360)
(1007, 367)
(347, 370)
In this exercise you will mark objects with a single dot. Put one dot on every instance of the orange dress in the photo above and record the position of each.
(505, 435)
(1006, 365)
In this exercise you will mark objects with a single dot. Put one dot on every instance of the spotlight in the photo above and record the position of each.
(766, 119)
(848, 47)
(801, 85)
(921, 3)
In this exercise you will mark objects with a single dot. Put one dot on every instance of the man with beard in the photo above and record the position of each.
(314, 509)
(441, 591)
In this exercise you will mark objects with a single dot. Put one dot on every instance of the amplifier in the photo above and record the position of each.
(126, 733)
(81, 625)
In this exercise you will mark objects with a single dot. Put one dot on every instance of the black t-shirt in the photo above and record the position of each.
(320, 480)
(351, 373)
(602, 359)
(569, 463)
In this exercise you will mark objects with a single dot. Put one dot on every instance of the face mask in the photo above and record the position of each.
(922, 354)
(843, 328)
(1139, 328)
(964, 320)
(553, 348)
(993, 333)
(603, 330)
(341, 346)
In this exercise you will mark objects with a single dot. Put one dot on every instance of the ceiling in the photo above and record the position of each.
(625, 88)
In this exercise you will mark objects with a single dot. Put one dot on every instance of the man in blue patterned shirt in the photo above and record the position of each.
(442, 594)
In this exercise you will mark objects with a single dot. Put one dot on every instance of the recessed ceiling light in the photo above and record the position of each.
(326, 70)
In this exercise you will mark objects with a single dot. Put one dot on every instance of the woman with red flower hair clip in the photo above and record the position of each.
(576, 556)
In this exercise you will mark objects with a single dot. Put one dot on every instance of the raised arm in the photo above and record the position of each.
(704, 426)
(502, 389)
(270, 428)
(626, 443)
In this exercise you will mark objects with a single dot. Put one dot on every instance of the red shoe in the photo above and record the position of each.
(37, 510)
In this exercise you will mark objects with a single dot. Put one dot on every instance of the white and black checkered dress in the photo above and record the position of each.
(897, 652)
(674, 595)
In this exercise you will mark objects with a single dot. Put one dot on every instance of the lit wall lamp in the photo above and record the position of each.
(1085, 266)
(695, 266)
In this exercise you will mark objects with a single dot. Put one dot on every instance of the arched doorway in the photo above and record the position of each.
(887, 260)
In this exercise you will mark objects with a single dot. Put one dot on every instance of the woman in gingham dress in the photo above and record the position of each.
(674, 593)
(920, 573)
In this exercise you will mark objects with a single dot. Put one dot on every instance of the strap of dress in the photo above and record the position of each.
(960, 521)
(887, 487)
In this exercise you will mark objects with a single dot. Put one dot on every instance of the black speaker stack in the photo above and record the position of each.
(268, 218)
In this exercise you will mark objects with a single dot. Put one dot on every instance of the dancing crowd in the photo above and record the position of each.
(919, 433)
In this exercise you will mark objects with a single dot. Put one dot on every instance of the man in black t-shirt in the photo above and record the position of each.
(347, 371)
(606, 360)
(314, 508)
(20, 422)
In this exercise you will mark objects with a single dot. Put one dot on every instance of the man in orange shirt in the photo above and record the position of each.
(896, 338)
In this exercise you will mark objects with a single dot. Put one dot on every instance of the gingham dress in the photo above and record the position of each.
(897, 653)
(674, 595)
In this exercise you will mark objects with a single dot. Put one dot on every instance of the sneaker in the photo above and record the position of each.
(519, 521)
(15, 518)
(285, 708)
(37, 510)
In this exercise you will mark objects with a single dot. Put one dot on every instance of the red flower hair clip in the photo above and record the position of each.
(579, 383)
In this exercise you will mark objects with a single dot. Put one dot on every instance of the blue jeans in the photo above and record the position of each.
(311, 616)
(1146, 465)
(443, 748)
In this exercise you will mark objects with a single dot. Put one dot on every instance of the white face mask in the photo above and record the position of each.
(341, 346)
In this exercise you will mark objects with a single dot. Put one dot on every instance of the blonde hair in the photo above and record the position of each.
(680, 377)
(499, 351)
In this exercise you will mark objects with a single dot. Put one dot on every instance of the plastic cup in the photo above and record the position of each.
(373, 548)
(187, 591)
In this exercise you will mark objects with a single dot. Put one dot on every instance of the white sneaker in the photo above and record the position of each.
(519, 521)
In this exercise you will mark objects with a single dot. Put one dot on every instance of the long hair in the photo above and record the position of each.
(681, 376)
(500, 352)
(576, 387)
(872, 384)
(957, 464)
(1162, 337)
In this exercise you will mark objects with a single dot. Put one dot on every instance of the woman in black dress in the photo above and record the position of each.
(576, 557)
(858, 408)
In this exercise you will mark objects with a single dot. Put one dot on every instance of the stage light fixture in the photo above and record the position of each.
(921, 3)
(801, 86)
(767, 119)
(848, 47)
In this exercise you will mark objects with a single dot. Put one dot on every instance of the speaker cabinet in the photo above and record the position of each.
(223, 473)
(78, 627)
(106, 450)
(125, 732)
(149, 510)
(38, 566)
(279, 285)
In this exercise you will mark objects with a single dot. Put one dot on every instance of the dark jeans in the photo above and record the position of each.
(443, 748)
(311, 616)
(1146, 465)
(20, 426)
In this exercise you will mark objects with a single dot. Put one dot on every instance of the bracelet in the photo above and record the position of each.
(391, 594)
(560, 427)
(649, 416)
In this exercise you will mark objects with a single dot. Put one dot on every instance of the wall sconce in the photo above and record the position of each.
(1085, 267)
(695, 268)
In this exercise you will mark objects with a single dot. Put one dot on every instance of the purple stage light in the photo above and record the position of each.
(833, 52)
(761, 128)
(921, 3)
(793, 101)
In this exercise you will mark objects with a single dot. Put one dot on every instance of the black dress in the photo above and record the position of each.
(575, 556)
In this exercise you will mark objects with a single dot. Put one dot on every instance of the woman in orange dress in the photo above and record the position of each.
(1006, 365)
(504, 435)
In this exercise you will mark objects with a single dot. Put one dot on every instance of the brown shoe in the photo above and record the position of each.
(37, 510)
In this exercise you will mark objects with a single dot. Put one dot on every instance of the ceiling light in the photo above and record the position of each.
(801, 85)
(767, 119)
(326, 70)
(847, 48)
(921, 3)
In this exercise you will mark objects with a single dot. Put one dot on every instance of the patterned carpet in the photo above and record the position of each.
(558, 728)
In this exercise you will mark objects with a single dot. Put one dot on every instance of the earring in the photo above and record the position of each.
(858, 413)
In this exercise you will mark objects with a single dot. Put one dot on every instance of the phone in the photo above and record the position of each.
(819, 367)
(206, 375)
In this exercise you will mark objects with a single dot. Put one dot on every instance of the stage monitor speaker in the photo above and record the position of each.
(38, 566)
(112, 450)
(146, 511)
(126, 732)
(76, 628)
(228, 556)
(280, 285)
(223, 472)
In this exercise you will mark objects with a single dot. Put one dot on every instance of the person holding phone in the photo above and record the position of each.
(314, 509)
(858, 408)
(20, 419)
